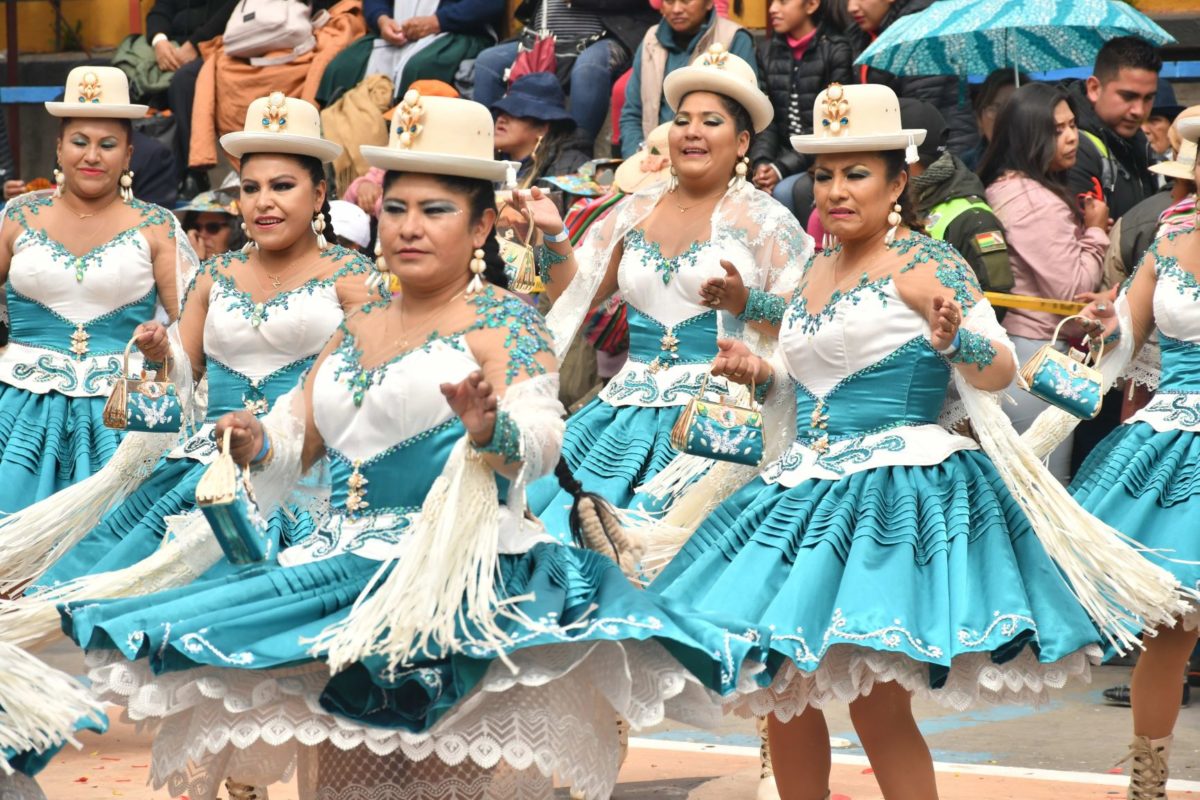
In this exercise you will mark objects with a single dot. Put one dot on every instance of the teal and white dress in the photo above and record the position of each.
(254, 352)
(621, 439)
(70, 317)
(1144, 478)
(223, 670)
(881, 546)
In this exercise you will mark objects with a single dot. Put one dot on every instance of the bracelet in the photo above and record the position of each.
(265, 454)
(952, 349)
(761, 389)
(556, 238)
(763, 307)
(546, 260)
(152, 366)
(506, 439)
(975, 348)
(159, 37)
(1112, 337)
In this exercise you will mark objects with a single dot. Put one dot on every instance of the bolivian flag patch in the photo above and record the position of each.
(990, 242)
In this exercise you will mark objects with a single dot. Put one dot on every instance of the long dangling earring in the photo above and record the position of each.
(893, 219)
(250, 243)
(127, 186)
(739, 173)
(318, 226)
(60, 180)
(829, 243)
(382, 276)
(478, 265)
(673, 183)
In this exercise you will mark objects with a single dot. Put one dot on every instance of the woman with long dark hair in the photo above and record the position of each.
(1056, 242)
(471, 654)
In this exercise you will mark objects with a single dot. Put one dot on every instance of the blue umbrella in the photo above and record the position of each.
(971, 37)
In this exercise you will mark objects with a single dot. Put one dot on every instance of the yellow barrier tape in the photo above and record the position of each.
(1063, 308)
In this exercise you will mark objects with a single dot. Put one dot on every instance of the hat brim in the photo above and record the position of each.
(1189, 128)
(389, 158)
(682, 82)
(544, 112)
(239, 143)
(1174, 169)
(858, 144)
(96, 110)
(629, 177)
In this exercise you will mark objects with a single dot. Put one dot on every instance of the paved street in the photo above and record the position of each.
(1065, 750)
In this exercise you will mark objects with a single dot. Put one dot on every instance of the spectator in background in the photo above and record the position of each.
(353, 226)
(990, 99)
(944, 92)
(1113, 103)
(175, 29)
(209, 219)
(688, 28)
(802, 56)
(1157, 126)
(1056, 250)
(950, 199)
(534, 129)
(594, 40)
(412, 40)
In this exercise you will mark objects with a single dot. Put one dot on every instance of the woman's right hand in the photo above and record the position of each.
(545, 213)
(391, 31)
(151, 340)
(1095, 214)
(735, 362)
(245, 435)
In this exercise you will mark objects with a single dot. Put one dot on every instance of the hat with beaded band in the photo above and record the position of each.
(858, 119)
(441, 136)
(281, 124)
(721, 72)
(96, 93)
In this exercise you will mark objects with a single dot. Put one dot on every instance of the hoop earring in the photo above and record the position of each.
(739, 173)
(250, 243)
(673, 183)
(60, 180)
(127, 186)
(893, 219)
(318, 226)
(478, 265)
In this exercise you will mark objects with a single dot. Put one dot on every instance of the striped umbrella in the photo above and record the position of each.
(974, 37)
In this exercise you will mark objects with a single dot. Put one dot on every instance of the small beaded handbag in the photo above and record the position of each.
(1069, 381)
(142, 405)
(226, 498)
(719, 429)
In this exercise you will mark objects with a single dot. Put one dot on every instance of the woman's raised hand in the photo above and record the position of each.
(728, 293)
(245, 435)
(474, 402)
(945, 316)
(545, 213)
(735, 362)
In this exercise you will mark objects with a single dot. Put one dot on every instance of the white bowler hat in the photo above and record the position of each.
(721, 72)
(629, 176)
(441, 136)
(350, 222)
(858, 119)
(281, 124)
(1183, 165)
(97, 92)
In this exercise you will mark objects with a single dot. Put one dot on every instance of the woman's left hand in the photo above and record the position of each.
(727, 293)
(474, 401)
(945, 316)
(419, 27)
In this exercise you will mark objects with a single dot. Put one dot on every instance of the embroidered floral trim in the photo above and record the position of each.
(763, 307)
(974, 348)
(506, 439)
(1181, 408)
(665, 267)
(643, 387)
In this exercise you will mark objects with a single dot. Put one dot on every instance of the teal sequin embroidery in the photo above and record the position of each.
(506, 439)
(974, 348)
(763, 307)
(546, 260)
(666, 267)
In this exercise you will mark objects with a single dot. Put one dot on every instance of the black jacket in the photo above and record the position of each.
(1139, 226)
(793, 86)
(625, 20)
(1124, 174)
(975, 233)
(197, 21)
(946, 93)
(472, 17)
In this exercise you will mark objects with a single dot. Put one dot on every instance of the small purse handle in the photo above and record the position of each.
(1064, 321)
(225, 440)
(704, 388)
(167, 364)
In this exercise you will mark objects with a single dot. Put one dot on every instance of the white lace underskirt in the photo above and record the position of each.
(557, 714)
(848, 672)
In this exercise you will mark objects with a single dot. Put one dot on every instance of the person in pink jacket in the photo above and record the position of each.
(1056, 241)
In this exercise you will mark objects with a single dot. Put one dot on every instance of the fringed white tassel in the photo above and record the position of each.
(441, 593)
(674, 479)
(1120, 590)
(40, 707)
(189, 551)
(1052, 427)
(32, 539)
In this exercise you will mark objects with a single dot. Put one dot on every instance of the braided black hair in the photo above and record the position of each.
(316, 171)
(608, 518)
(482, 198)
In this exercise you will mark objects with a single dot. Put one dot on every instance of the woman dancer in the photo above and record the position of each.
(667, 249)
(479, 653)
(887, 554)
(82, 268)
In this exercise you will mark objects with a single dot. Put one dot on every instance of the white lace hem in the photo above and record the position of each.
(848, 672)
(556, 713)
